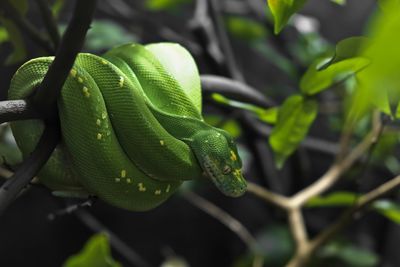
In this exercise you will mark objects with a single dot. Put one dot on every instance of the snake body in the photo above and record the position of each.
(132, 129)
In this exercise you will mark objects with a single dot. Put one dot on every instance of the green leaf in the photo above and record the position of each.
(325, 72)
(245, 29)
(315, 81)
(161, 5)
(389, 209)
(282, 10)
(341, 198)
(96, 253)
(294, 120)
(268, 115)
(349, 255)
(346, 49)
(105, 34)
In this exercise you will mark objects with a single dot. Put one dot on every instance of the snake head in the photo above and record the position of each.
(218, 157)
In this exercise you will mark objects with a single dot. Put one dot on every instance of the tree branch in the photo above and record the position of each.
(225, 218)
(71, 43)
(334, 173)
(234, 89)
(30, 167)
(13, 110)
(277, 200)
(45, 102)
(120, 246)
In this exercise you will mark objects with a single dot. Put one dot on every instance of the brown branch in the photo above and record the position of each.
(335, 171)
(362, 203)
(277, 200)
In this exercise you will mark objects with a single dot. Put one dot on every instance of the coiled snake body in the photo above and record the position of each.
(132, 128)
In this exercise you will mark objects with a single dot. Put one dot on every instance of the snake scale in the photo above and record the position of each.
(132, 129)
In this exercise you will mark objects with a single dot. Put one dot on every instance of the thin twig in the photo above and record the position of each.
(25, 26)
(224, 42)
(233, 224)
(269, 197)
(49, 22)
(30, 167)
(334, 173)
(71, 209)
(348, 216)
(120, 246)
(234, 89)
(71, 43)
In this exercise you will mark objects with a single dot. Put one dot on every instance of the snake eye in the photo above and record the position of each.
(227, 169)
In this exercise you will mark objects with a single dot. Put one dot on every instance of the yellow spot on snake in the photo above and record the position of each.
(141, 187)
(162, 142)
(103, 115)
(157, 192)
(72, 72)
(123, 173)
(99, 136)
(104, 62)
(80, 80)
(98, 122)
(128, 180)
(117, 180)
(85, 91)
(233, 156)
(121, 81)
(168, 188)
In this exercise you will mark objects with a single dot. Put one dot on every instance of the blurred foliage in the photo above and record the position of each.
(378, 85)
(245, 28)
(311, 45)
(339, 2)
(57, 7)
(95, 253)
(105, 34)
(162, 5)
(9, 152)
(14, 35)
(274, 244)
(343, 254)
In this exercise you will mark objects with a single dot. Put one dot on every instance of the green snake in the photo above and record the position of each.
(132, 129)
